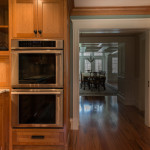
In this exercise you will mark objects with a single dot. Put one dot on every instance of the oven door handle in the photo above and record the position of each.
(31, 93)
(56, 52)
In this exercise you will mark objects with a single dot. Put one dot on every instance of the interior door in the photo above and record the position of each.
(24, 18)
(50, 18)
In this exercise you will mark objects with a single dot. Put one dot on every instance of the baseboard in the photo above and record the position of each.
(71, 123)
(74, 123)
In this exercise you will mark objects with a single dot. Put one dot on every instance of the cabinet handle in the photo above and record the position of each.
(35, 31)
(40, 31)
(37, 137)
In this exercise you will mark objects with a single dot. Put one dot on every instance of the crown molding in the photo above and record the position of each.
(70, 5)
(125, 10)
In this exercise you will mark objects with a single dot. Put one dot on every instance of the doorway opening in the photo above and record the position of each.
(130, 79)
(104, 114)
(113, 64)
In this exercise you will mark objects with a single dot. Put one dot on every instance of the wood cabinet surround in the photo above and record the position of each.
(51, 17)
(37, 18)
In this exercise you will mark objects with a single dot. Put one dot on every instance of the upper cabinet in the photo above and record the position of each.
(50, 18)
(4, 25)
(37, 18)
(24, 18)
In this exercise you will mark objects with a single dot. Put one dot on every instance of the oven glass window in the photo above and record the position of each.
(37, 109)
(37, 68)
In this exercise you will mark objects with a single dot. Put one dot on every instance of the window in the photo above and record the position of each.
(114, 65)
(98, 65)
(87, 54)
(79, 66)
(98, 54)
(87, 65)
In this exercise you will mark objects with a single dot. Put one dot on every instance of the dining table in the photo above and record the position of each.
(92, 78)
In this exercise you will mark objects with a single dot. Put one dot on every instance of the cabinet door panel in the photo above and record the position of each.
(4, 125)
(4, 72)
(24, 18)
(50, 18)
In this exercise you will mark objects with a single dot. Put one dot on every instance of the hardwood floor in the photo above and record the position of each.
(106, 124)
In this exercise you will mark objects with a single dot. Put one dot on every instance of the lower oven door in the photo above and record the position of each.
(37, 107)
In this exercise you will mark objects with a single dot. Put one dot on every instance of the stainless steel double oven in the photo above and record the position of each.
(37, 83)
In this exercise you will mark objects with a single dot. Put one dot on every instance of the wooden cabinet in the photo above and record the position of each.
(4, 25)
(50, 18)
(37, 137)
(4, 119)
(4, 72)
(24, 18)
(37, 18)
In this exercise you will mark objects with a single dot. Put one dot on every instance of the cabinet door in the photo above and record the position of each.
(24, 18)
(50, 18)
(4, 72)
(4, 125)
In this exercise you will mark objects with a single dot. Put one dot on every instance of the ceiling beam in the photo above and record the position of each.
(123, 10)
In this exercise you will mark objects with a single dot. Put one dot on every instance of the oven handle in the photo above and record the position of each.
(57, 52)
(49, 93)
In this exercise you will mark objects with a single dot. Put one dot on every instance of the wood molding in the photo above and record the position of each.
(101, 24)
(70, 5)
(94, 11)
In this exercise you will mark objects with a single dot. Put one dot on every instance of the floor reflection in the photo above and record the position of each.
(99, 110)
(106, 124)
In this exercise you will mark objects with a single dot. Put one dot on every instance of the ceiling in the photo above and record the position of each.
(111, 32)
(105, 47)
(99, 47)
(101, 3)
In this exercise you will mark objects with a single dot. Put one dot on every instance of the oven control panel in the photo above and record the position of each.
(37, 43)
(40, 44)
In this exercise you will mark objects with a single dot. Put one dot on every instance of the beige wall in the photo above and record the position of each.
(111, 77)
(140, 72)
(100, 3)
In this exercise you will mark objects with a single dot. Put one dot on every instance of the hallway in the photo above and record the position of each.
(106, 124)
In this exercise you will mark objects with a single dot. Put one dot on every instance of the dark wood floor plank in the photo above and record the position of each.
(106, 124)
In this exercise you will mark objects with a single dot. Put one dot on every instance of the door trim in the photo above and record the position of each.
(81, 24)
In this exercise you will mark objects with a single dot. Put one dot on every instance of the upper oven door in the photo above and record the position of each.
(34, 68)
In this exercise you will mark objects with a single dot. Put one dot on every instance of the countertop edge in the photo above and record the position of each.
(4, 91)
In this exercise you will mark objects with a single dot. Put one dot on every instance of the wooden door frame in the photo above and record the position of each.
(132, 23)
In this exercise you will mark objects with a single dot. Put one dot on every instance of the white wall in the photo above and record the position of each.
(100, 3)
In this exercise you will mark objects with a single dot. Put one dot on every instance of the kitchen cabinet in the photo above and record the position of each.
(37, 137)
(3, 25)
(37, 18)
(4, 116)
(4, 71)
